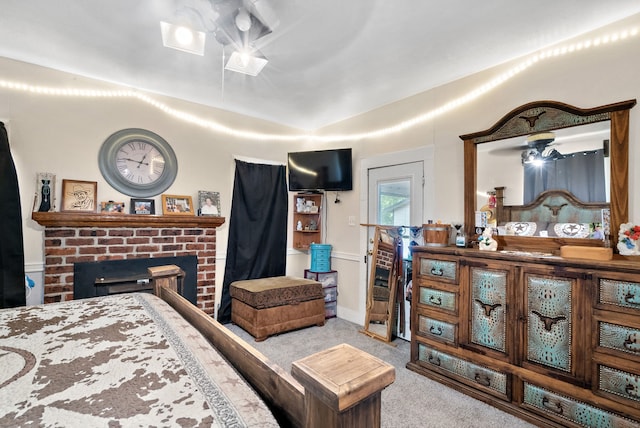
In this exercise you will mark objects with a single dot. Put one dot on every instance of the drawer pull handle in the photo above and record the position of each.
(482, 380)
(437, 272)
(548, 321)
(631, 344)
(631, 298)
(487, 307)
(631, 391)
(557, 407)
(436, 331)
(435, 301)
(434, 361)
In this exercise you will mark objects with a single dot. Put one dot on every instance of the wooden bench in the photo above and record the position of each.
(268, 306)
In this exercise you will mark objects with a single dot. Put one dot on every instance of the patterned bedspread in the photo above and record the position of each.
(117, 361)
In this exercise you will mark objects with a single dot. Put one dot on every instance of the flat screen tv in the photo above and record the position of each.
(320, 170)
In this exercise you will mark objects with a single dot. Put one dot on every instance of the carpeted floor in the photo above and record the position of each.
(411, 401)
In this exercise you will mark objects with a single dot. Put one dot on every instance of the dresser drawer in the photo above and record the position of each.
(623, 339)
(438, 269)
(438, 299)
(619, 294)
(438, 330)
(472, 374)
(619, 383)
(565, 408)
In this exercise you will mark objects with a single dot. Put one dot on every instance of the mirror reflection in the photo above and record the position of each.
(547, 117)
(573, 159)
(386, 266)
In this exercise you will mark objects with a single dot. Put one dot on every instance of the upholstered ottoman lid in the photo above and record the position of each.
(275, 291)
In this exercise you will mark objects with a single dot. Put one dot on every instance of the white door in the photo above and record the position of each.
(395, 198)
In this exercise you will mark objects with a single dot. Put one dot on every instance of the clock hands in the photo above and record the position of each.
(141, 162)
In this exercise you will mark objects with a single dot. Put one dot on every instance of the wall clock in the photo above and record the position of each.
(138, 162)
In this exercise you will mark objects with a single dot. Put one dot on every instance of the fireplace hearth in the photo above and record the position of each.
(106, 277)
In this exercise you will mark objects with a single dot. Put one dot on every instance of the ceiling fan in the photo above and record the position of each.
(538, 148)
(239, 23)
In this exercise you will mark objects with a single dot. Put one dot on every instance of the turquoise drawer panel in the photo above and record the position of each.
(572, 410)
(488, 308)
(620, 293)
(437, 329)
(618, 382)
(620, 338)
(440, 269)
(491, 379)
(438, 299)
(549, 327)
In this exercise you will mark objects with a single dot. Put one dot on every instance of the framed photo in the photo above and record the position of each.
(142, 206)
(44, 199)
(79, 196)
(177, 205)
(209, 203)
(111, 207)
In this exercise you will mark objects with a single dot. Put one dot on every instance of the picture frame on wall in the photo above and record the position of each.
(111, 207)
(44, 199)
(79, 196)
(209, 203)
(177, 205)
(142, 206)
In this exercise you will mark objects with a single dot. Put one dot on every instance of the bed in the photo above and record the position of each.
(137, 359)
(554, 213)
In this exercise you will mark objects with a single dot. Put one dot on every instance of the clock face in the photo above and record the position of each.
(138, 162)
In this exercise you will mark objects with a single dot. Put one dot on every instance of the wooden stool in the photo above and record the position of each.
(343, 387)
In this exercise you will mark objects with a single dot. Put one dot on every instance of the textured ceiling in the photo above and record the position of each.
(328, 59)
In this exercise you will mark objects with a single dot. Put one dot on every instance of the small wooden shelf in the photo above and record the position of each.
(70, 219)
(302, 239)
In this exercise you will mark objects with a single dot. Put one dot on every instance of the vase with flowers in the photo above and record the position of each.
(628, 238)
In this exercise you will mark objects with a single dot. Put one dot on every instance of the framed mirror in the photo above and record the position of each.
(541, 117)
(385, 267)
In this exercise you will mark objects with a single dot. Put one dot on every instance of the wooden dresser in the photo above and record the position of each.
(554, 341)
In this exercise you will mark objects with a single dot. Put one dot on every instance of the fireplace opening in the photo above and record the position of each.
(91, 279)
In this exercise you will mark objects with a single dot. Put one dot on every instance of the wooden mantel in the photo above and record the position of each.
(71, 219)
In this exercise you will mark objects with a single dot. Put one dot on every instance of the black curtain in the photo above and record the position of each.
(580, 173)
(12, 289)
(257, 246)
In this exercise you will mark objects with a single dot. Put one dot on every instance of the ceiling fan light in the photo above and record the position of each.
(246, 63)
(182, 38)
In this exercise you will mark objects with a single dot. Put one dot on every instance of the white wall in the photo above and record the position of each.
(63, 135)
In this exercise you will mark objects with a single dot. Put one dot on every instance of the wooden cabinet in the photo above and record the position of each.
(307, 220)
(554, 341)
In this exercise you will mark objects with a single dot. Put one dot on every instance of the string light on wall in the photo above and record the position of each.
(377, 133)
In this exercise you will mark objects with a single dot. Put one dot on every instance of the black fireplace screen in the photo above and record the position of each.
(91, 279)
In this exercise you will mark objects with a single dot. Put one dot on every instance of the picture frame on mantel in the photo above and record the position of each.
(177, 205)
(79, 196)
(44, 198)
(208, 203)
(142, 206)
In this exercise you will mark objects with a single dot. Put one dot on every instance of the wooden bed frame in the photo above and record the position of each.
(327, 399)
(551, 206)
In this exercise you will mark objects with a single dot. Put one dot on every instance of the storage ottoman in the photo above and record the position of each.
(269, 306)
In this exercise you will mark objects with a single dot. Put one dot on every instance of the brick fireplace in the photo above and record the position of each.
(88, 237)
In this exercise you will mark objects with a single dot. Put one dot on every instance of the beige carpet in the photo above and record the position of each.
(411, 401)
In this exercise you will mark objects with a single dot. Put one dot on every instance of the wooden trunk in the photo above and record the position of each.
(262, 323)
